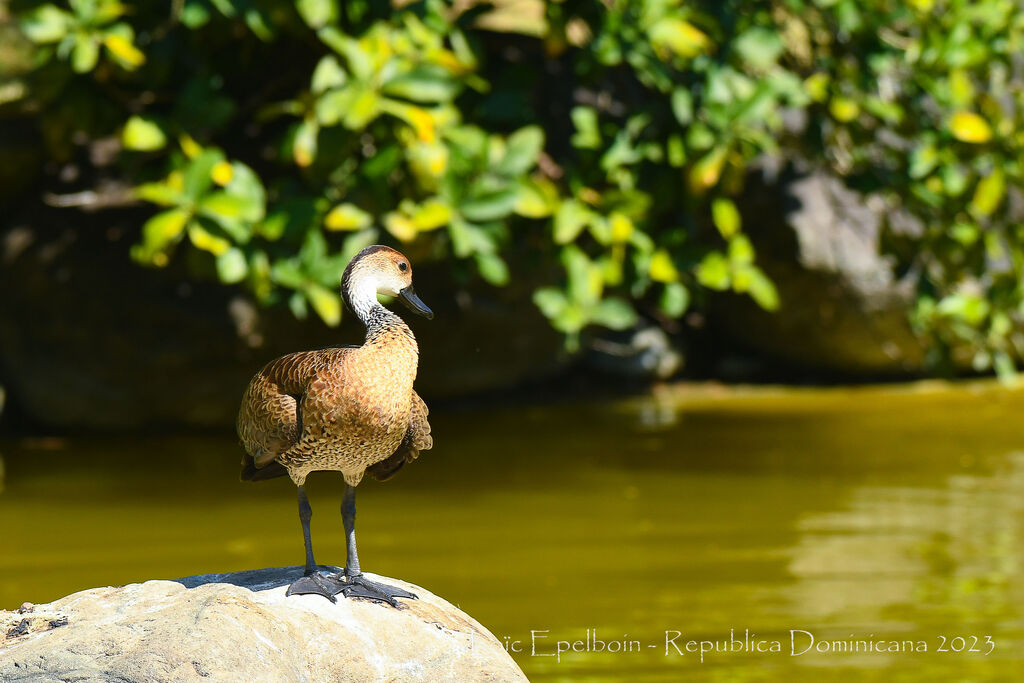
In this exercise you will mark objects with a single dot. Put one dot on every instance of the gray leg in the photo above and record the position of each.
(348, 518)
(352, 582)
(312, 582)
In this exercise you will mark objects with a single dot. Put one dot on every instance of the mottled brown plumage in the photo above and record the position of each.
(349, 409)
(346, 409)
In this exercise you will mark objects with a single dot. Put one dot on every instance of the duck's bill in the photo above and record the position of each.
(409, 298)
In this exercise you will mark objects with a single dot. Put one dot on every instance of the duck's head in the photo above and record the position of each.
(380, 270)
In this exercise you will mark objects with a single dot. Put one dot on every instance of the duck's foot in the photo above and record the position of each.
(358, 586)
(316, 584)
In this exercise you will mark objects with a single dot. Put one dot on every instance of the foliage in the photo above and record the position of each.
(607, 137)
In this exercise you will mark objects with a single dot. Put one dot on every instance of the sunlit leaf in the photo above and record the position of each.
(122, 49)
(989, 193)
(46, 24)
(615, 314)
(347, 217)
(206, 240)
(142, 135)
(970, 127)
(325, 302)
(317, 13)
(492, 268)
(85, 54)
(400, 226)
(232, 266)
(673, 35)
(662, 269)
(725, 216)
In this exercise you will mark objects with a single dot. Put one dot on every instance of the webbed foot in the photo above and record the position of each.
(358, 586)
(316, 584)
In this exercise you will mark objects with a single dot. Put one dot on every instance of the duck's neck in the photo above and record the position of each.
(381, 323)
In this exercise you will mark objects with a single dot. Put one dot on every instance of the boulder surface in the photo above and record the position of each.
(242, 627)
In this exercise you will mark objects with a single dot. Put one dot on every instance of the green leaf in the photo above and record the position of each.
(327, 74)
(326, 303)
(673, 35)
(969, 127)
(490, 206)
(725, 216)
(46, 24)
(550, 301)
(317, 13)
(587, 136)
(713, 271)
(989, 193)
(199, 174)
(232, 266)
(84, 54)
(142, 135)
(537, 198)
(762, 290)
(615, 314)
(160, 193)
(675, 299)
(162, 229)
(522, 150)
(347, 217)
(492, 268)
(287, 273)
(570, 219)
(759, 47)
(682, 106)
(427, 83)
(923, 160)
(971, 308)
(741, 251)
(304, 143)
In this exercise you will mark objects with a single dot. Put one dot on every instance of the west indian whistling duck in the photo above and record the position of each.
(350, 409)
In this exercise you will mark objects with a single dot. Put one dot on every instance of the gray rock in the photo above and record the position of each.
(242, 627)
(844, 308)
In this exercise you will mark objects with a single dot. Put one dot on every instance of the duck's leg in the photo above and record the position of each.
(312, 582)
(352, 582)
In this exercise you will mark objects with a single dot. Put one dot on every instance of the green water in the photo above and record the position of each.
(851, 515)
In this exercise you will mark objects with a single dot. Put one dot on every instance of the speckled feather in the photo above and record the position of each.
(348, 409)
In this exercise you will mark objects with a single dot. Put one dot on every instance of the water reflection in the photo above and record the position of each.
(892, 513)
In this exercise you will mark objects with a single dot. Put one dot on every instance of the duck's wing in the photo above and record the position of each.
(270, 419)
(417, 438)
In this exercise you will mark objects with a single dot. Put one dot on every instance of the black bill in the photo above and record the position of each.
(409, 298)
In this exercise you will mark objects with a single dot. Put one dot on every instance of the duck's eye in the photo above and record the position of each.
(403, 266)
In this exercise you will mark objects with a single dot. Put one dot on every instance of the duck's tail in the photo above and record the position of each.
(271, 470)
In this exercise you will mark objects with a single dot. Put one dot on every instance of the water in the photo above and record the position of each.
(850, 515)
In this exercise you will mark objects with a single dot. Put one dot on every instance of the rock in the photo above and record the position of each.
(242, 627)
(844, 307)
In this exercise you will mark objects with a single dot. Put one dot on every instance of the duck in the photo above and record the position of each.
(347, 409)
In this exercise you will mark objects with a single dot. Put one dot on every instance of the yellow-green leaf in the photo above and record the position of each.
(967, 126)
(662, 269)
(431, 214)
(347, 217)
(206, 240)
(222, 173)
(844, 109)
(621, 227)
(674, 35)
(326, 303)
(122, 48)
(726, 217)
(142, 135)
(989, 193)
(400, 226)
